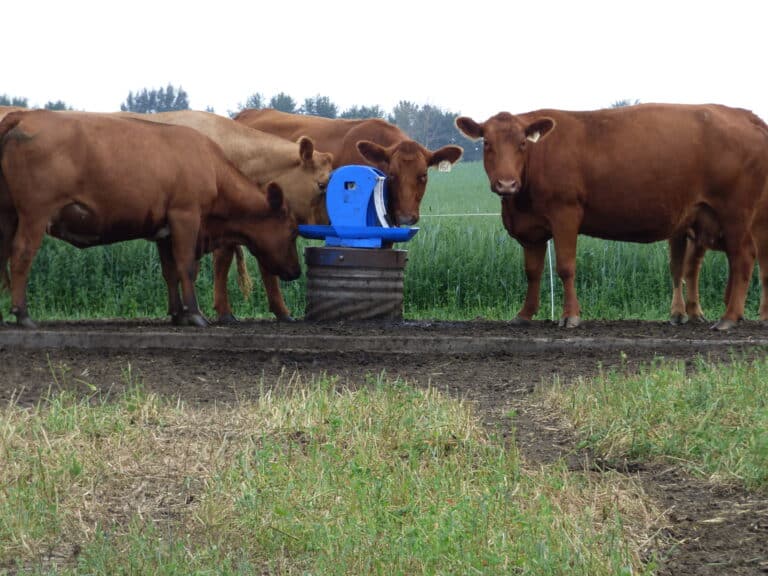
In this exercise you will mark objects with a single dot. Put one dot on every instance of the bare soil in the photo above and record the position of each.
(709, 529)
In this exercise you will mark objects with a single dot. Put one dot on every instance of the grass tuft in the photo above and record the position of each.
(711, 418)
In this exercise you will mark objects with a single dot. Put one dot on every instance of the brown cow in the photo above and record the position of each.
(706, 234)
(638, 174)
(93, 179)
(370, 141)
(300, 170)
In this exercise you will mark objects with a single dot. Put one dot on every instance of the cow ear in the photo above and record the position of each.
(274, 196)
(537, 129)
(375, 154)
(469, 127)
(446, 154)
(306, 148)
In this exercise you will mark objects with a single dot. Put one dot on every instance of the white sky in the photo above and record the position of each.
(471, 57)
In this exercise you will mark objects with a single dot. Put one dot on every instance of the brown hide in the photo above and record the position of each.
(8, 109)
(94, 179)
(639, 173)
(368, 141)
(687, 257)
(300, 170)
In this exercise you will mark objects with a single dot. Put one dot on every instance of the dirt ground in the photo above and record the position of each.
(495, 366)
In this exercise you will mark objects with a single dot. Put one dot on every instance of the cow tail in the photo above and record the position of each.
(5, 277)
(7, 124)
(243, 278)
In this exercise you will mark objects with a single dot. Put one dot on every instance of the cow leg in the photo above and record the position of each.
(694, 258)
(7, 232)
(170, 274)
(740, 248)
(677, 251)
(26, 243)
(183, 240)
(534, 255)
(274, 295)
(565, 232)
(222, 261)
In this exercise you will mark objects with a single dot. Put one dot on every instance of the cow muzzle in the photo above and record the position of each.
(506, 187)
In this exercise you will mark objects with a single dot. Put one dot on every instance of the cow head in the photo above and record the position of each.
(405, 165)
(507, 140)
(304, 184)
(271, 238)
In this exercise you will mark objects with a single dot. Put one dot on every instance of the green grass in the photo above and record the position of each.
(460, 267)
(712, 419)
(385, 479)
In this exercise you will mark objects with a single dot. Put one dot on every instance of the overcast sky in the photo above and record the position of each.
(471, 57)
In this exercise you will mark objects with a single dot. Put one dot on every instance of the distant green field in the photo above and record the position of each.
(462, 264)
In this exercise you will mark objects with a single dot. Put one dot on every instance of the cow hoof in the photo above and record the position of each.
(189, 319)
(197, 319)
(286, 318)
(227, 319)
(678, 319)
(723, 325)
(26, 322)
(570, 322)
(698, 318)
(520, 321)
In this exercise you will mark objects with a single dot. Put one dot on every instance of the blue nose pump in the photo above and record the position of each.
(356, 200)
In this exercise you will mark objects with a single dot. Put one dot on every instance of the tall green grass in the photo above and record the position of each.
(462, 264)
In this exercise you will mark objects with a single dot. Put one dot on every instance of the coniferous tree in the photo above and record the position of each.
(58, 105)
(283, 102)
(363, 112)
(152, 101)
(13, 101)
(319, 106)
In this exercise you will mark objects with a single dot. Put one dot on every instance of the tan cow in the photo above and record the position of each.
(93, 179)
(640, 174)
(300, 170)
(369, 141)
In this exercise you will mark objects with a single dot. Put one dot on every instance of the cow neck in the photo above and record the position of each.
(237, 197)
(267, 158)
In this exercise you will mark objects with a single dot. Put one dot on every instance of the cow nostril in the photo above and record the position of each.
(506, 186)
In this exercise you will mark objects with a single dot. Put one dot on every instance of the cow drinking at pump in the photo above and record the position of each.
(297, 166)
(370, 141)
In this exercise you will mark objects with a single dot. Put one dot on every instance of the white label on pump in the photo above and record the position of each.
(378, 200)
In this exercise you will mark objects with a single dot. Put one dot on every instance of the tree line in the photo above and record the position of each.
(429, 125)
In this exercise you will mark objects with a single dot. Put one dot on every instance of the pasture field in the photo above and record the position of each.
(316, 480)
(462, 265)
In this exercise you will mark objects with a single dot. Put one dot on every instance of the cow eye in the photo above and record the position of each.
(522, 144)
(422, 178)
(486, 145)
